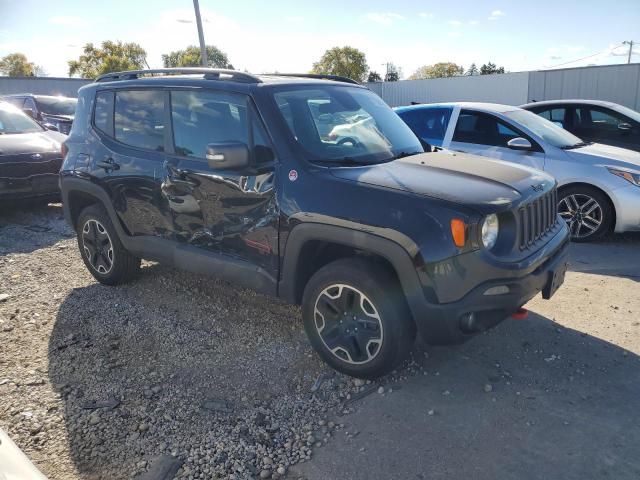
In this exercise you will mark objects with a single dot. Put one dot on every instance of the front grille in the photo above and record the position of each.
(537, 219)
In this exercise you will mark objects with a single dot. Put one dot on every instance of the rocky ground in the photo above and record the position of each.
(182, 370)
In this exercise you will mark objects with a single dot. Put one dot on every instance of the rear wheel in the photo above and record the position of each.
(103, 254)
(587, 211)
(356, 318)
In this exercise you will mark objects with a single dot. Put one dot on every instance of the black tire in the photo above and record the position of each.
(575, 201)
(101, 250)
(387, 326)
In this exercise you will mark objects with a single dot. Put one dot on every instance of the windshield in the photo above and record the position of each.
(344, 125)
(13, 121)
(548, 131)
(57, 105)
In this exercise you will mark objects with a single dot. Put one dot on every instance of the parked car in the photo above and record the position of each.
(30, 157)
(593, 120)
(598, 184)
(226, 173)
(52, 112)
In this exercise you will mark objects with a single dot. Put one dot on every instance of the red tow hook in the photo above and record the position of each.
(520, 314)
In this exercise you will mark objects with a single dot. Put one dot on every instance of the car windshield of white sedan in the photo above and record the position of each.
(345, 125)
(548, 131)
(14, 121)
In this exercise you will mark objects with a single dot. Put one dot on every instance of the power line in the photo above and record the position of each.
(584, 58)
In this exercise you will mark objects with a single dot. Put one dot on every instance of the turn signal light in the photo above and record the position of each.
(458, 232)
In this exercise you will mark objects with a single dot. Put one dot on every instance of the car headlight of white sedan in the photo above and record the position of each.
(629, 175)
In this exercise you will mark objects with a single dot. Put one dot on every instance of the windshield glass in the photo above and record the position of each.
(57, 105)
(13, 120)
(548, 131)
(344, 125)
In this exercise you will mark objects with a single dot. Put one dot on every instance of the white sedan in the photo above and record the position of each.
(599, 185)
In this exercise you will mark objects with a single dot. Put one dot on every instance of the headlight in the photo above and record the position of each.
(490, 230)
(628, 175)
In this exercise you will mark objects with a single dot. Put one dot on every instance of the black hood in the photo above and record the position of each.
(484, 184)
(29, 143)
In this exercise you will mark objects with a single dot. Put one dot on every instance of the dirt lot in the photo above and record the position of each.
(99, 382)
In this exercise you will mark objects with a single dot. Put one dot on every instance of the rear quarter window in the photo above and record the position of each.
(103, 113)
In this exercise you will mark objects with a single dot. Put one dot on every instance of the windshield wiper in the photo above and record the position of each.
(405, 154)
(576, 145)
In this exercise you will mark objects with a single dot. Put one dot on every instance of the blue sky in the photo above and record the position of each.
(287, 35)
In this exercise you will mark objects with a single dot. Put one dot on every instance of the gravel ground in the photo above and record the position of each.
(102, 382)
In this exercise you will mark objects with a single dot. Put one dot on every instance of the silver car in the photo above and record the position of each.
(599, 185)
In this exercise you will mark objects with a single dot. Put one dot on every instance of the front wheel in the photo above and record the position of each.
(587, 211)
(356, 318)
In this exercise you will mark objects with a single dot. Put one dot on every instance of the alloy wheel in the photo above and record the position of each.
(348, 324)
(97, 246)
(583, 214)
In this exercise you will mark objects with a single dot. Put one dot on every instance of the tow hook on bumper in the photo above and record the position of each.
(520, 314)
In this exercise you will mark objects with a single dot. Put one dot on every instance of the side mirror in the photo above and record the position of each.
(519, 143)
(30, 112)
(50, 126)
(624, 127)
(228, 155)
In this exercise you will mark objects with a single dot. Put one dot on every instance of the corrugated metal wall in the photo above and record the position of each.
(510, 88)
(616, 83)
(42, 85)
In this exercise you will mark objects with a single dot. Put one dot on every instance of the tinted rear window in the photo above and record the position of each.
(103, 113)
(139, 118)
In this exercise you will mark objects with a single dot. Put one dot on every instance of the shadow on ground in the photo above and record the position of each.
(560, 404)
(28, 226)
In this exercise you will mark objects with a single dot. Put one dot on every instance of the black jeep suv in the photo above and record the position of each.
(313, 190)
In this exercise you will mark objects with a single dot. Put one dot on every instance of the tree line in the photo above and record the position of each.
(118, 56)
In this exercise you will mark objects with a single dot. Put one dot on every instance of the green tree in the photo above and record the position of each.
(393, 73)
(17, 65)
(346, 62)
(190, 57)
(374, 77)
(490, 68)
(111, 57)
(437, 70)
(473, 70)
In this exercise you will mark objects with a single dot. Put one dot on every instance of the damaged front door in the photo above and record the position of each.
(226, 211)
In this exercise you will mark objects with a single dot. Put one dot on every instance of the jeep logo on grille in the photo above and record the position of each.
(538, 188)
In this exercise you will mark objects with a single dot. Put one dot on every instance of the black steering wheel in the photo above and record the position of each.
(349, 141)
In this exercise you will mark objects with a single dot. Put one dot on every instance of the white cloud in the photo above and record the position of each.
(455, 23)
(386, 18)
(294, 19)
(496, 15)
(454, 34)
(473, 22)
(67, 21)
(425, 15)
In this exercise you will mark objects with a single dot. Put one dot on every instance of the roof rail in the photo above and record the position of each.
(319, 76)
(209, 74)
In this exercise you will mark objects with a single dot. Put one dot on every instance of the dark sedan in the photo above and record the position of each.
(30, 157)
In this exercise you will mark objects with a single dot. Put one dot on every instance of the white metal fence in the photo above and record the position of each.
(616, 83)
(42, 85)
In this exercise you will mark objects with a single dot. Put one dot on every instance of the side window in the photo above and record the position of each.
(29, 103)
(262, 150)
(103, 113)
(428, 123)
(482, 129)
(555, 115)
(204, 117)
(604, 119)
(139, 118)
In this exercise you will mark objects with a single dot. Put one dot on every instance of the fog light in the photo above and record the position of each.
(499, 290)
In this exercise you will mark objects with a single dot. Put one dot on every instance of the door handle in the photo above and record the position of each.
(108, 164)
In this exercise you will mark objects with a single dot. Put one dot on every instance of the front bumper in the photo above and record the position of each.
(457, 321)
(626, 201)
(39, 185)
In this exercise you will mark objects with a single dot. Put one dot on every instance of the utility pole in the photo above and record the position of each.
(630, 43)
(203, 47)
